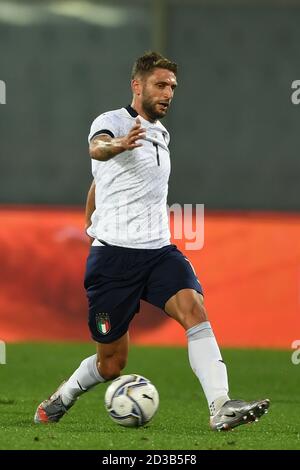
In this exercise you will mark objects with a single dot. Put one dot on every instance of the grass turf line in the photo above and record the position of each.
(33, 371)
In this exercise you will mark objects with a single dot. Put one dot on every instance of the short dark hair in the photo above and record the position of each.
(145, 64)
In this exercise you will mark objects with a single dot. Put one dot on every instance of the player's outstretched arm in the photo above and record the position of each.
(103, 147)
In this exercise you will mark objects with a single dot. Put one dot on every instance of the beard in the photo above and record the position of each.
(151, 108)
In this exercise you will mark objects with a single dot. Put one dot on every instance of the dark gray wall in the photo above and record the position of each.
(234, 130)
(60, 74)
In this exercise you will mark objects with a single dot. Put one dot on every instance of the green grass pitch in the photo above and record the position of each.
(33, 371)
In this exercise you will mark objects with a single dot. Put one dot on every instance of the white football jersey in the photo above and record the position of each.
(132, 187)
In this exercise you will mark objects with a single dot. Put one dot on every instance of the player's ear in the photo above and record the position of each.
(136, 86)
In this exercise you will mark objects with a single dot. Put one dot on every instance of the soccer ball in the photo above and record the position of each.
(131, 400)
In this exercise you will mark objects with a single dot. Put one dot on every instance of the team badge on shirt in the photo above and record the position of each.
(103, 323)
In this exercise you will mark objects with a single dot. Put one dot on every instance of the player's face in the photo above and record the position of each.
(157, 93)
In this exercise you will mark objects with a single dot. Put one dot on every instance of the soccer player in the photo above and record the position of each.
(131, 257)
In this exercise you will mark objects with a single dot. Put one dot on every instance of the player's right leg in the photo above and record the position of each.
(106, 365)
(113, 301)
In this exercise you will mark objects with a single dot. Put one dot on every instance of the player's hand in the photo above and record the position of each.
(129, 142)
(87, 225)
(103, 147)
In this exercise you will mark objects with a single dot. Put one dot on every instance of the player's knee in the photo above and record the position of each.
(195, 314)
(200, 312)
(110, 373)
(111, 368)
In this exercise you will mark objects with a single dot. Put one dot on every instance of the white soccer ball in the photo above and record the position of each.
(131, 400)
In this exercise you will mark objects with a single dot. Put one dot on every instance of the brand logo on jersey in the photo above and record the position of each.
(103, 323)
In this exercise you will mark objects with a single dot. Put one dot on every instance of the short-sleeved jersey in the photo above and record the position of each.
(132, 187)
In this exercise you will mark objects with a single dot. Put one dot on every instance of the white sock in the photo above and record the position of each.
(84, 378)
(206, 361)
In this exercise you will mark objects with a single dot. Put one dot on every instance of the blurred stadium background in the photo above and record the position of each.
(234, 146)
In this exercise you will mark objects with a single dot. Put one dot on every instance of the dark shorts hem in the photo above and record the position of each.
(107, 339)
(116, 331)
(174, 290)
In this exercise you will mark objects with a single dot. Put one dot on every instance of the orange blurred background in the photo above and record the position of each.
(249, 268)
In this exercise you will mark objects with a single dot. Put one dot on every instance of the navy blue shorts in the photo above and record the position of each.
(118, 278)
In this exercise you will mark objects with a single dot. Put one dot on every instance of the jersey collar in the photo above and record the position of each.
(134, 114)
(131, 111)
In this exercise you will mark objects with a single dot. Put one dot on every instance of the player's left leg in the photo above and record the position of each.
(174, 287)
(187, 307)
